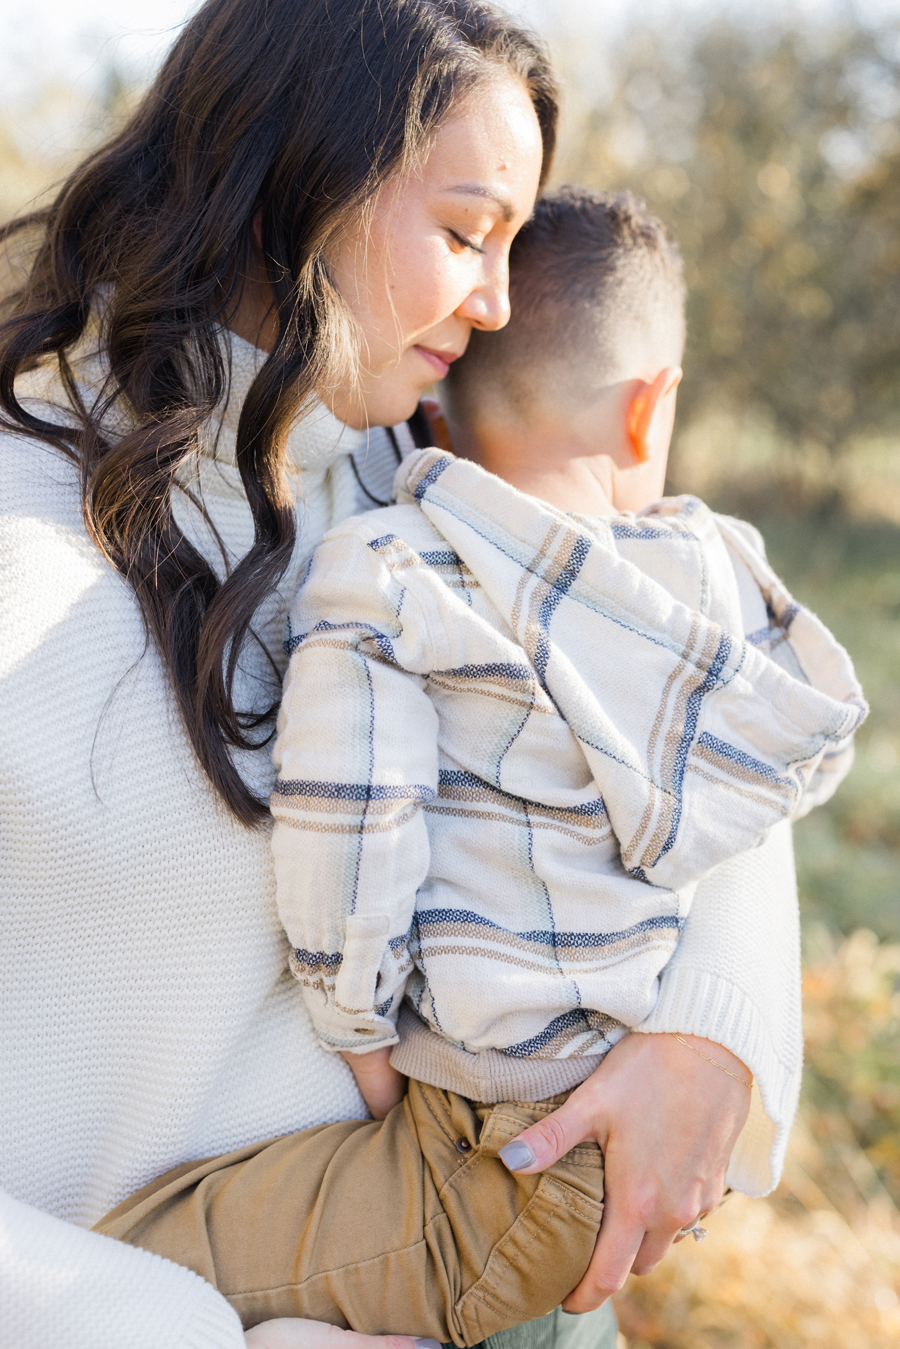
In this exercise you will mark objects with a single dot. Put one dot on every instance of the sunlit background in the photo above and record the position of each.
(767, 137)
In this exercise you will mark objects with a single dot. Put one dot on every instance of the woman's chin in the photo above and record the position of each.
(391, 409)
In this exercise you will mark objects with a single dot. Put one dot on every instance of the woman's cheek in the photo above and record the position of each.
(437, 288)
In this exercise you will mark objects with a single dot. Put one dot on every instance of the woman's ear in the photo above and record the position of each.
(643, 407)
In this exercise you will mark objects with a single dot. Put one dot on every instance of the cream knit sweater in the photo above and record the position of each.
(147, 1015)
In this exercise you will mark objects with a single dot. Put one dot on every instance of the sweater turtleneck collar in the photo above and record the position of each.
(316, 439)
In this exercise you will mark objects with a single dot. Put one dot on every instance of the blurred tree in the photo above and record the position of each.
(773, 157)
(44, 135)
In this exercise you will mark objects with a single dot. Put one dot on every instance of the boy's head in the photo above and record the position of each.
(586, 369)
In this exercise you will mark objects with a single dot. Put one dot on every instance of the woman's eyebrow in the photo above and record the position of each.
(507, 210)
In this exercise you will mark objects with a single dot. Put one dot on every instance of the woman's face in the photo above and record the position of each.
(430, 263)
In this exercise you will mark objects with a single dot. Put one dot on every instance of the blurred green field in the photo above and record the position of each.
(848, 852)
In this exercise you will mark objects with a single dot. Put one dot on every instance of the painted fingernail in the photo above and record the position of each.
(516, 1155)
(421, 1343)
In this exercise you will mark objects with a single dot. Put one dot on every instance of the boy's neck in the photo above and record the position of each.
(552, 467)
(580, 462)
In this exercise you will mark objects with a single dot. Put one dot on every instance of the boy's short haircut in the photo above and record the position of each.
(597, 293)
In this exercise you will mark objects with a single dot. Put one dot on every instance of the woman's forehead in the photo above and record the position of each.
(489, 150)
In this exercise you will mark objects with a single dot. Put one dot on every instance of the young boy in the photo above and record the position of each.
(520, 723)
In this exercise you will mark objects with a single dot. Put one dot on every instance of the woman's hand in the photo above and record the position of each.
(381, 1085)
(667, 1123)
(294, 1333)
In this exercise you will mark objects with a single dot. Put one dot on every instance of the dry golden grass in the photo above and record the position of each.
(818, 1263)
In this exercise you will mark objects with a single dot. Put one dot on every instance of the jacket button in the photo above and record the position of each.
(463, 1145)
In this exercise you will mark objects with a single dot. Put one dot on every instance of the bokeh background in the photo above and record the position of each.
(767, 137)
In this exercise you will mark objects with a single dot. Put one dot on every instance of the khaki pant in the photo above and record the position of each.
(409, 1226)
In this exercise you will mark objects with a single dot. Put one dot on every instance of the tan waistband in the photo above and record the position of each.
(488, 1076)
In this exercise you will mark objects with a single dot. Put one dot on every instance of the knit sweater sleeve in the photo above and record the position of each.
(62, 1285)
(356, 757)
(735, 979)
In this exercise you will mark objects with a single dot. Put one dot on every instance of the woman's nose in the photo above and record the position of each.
(487, 305)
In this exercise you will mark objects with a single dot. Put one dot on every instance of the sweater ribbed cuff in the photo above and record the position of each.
(214, 1325)
(696, 1002)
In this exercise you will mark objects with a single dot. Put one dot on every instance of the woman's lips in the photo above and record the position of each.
(439, 360)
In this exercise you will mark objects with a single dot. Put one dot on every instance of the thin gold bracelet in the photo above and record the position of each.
(721, 1067)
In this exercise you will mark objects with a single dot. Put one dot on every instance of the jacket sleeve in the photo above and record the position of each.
(62, 1285)
(736, 742)
(356, 758)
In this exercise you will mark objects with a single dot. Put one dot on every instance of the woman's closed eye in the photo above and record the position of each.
(463, 242)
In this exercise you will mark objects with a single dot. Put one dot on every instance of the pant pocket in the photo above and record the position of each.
(543, 1254)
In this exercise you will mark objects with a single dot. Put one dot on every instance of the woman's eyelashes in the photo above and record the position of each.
(463, 242)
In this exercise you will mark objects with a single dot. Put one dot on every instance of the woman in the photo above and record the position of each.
(163, 480)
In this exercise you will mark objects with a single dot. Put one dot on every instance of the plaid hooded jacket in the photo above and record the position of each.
(511, 742)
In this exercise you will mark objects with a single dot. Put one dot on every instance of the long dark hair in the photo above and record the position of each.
(300, 109)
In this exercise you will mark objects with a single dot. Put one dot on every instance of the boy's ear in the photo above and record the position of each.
(439, 428)
(643, 406)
